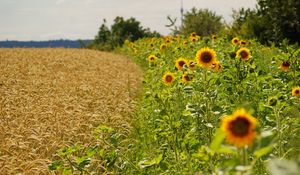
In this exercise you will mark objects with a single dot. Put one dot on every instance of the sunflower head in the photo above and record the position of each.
(163, 47)
(186, 78)
(193, 34)
(206, 57)
(216, 66)
(296, 91)
(192, 65)
(193, 39)
(185, 43)
(244, 54)
(239, 128)
(285, 65)
(272, 101)
(180, 62)
(214, 37)
(235, 41)
(168, 40)
(151, 45)
(168, 78)
(152, 58)
(243, 43)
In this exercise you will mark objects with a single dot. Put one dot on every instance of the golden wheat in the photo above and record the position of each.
(51, 98)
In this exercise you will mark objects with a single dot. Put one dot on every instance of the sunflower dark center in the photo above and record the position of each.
(235, 41)
(169, 78)
(240, 127)
(187, 78)
(192, 64)
(286, 64)
(151, 58)
(181, 63)
(244, 54)
(206, 58)
(297, 91)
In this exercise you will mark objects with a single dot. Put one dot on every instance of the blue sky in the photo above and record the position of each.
(81, 19)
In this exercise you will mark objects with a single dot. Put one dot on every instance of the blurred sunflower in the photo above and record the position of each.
(235, 41)
(168, 78)
(192, 65)
(193, 39)
(243, 42)
(180, 62)
(239, 128)
(151, 45)
(152, 58)
(296, 91)
(216, 66)
(285, 65)
(243, 53)
(214, 37)
(186, 78)
(205, 57)
(168, 40)
(193, 34)
(185, 43)
(163, 47)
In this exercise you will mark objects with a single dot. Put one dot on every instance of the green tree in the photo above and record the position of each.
(282, 18)
(272, 20)
(121, 30)
(204, 22)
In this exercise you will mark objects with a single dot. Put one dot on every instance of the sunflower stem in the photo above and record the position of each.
(278, 118)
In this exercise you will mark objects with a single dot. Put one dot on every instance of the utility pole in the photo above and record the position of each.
(181, 11)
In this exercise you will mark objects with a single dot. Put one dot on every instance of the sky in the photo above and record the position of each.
(80, 19)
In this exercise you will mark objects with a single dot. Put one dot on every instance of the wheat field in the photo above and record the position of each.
(51, 98)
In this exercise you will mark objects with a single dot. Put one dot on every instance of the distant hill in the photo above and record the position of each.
(41, 44)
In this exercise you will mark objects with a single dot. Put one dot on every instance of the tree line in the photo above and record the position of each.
(271, 21)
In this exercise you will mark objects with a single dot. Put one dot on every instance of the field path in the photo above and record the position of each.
(51, 98)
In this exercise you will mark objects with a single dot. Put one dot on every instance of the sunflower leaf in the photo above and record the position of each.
(263, 151)
(217, 141)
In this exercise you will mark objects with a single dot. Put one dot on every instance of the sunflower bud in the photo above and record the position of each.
(272, 101)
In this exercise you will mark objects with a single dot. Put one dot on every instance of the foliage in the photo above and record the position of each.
(271, 21)
(203, 22)
(121, 30)
(176, 126)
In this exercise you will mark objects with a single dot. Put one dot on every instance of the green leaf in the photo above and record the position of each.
(66, 171)
(263, 151)
(55, 165)
(217, 141)
(163, 166)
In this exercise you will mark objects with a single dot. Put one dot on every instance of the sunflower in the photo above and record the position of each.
(185, 43)
(214, 37)
(180, 62)
(186, 78)
(239, 128)
(285, 65)
(216, 66)
(168, 39)
(163, 47)
(243, 43)
(192, 65)
(168, 78)
(243, 53)
(152, 58)
(205, 57)
(296, 91)
(235, 41)
(193, 39)
(193, 34)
